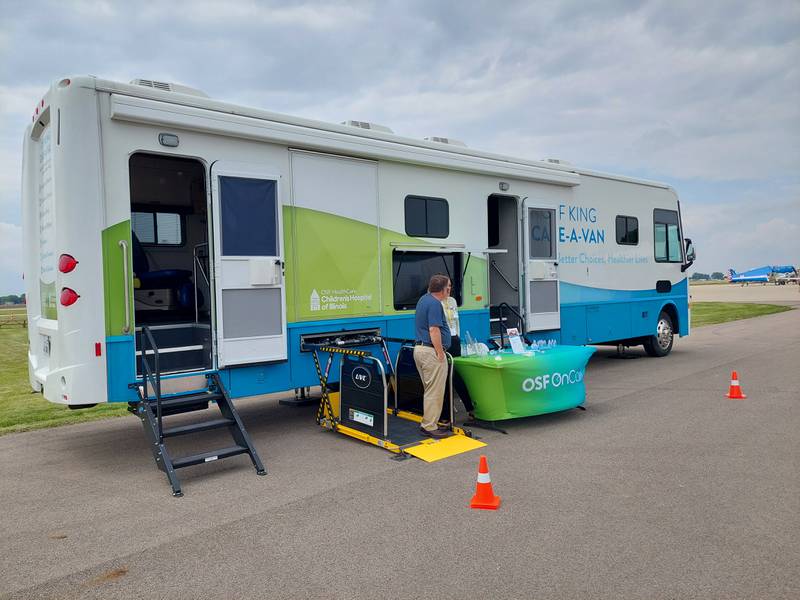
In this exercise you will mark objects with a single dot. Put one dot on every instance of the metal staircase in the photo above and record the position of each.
(152, 409)
(500, 321)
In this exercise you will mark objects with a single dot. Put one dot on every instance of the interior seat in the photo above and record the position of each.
(178, 280)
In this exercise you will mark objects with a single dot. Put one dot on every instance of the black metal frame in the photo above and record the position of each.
(192, 401)
(520, 321)
(330, 421)
(149, 375)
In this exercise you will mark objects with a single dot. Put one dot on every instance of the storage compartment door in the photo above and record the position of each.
(250, 297)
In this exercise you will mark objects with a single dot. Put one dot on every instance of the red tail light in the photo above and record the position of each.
(67, 263)
(68, 296)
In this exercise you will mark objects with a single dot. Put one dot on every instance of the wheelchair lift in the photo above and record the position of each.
(361, 409)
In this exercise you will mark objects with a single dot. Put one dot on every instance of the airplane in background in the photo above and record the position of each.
(766, 274)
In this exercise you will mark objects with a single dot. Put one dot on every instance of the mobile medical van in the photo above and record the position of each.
(238, 236)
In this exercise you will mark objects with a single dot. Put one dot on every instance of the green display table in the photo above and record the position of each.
(507, 386)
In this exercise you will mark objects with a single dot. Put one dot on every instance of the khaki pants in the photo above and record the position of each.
(434, 376)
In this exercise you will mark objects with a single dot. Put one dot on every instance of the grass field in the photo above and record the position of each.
(22, 410)
(711, 313)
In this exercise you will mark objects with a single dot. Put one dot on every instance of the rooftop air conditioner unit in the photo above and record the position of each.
(367, 125)
(169, 87)
(444, 140)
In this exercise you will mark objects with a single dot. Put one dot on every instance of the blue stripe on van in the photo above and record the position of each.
(298, 371)
(580, 294)
(596, 315)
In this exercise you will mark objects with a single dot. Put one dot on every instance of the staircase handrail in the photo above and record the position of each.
(151, 375)
(197, 264)
(520, 322)
(493, 264)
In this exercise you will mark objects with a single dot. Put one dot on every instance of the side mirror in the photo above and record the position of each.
(690, 255)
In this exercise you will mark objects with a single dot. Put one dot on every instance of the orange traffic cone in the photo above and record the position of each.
(735, 392)
(484, 495)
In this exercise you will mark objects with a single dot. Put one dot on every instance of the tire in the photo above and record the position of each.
(661, 344)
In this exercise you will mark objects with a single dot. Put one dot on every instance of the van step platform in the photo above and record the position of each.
(197, 427)
(187, 399)
(152, 409)
(196, 459)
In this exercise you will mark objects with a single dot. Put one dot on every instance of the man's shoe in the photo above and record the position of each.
(436, 433)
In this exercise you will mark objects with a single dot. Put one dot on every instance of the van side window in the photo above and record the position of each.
(627, 230)
(666, 236)
(427, 217)
(158, 228)
(411, 271)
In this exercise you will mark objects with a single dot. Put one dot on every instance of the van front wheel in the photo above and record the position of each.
(660, 344)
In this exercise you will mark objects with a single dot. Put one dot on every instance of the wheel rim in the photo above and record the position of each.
(664, 334)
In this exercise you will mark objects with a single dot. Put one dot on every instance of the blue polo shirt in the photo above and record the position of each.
(430, 313)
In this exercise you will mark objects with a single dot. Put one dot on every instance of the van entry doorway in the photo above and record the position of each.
(505, 296)
(169, 247)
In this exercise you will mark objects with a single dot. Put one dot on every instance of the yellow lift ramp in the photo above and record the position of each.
(361, 410)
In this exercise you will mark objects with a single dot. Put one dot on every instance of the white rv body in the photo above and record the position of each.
(343, 240)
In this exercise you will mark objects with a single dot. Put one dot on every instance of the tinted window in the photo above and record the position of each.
(157, 228)
(168, 228)
(627, 230)
(666, 236)
(427, 217)
(143, 225)
(249, 215)
(411, 272)
(540, 232)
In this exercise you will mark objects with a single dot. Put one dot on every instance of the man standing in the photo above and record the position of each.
(432, 337)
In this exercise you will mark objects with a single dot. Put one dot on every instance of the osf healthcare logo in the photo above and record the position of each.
(542, 382)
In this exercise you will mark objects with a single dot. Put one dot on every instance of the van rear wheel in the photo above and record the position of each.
(660, 344)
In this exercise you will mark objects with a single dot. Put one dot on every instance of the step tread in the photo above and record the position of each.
(195, 459)
(196, 427)
(184, 399)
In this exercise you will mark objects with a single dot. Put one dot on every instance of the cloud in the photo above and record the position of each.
(705, 96)
(770, 235)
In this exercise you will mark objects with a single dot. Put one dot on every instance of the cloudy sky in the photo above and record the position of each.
(702, 95)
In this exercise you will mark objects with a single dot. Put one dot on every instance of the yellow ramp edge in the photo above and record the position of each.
(444, 448)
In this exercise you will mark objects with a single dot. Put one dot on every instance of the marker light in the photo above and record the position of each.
(67, 263)
(68, 296)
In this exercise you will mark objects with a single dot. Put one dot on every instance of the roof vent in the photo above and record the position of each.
(169, 87)
(444, 140)
(558, 161)
(368, 125)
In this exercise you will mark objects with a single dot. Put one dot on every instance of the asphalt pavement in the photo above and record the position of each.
(663, 488)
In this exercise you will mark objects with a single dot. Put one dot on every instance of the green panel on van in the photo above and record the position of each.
(113, 273)
(336, 266)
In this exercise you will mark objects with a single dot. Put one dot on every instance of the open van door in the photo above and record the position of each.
(250, 298)
(540, 244)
